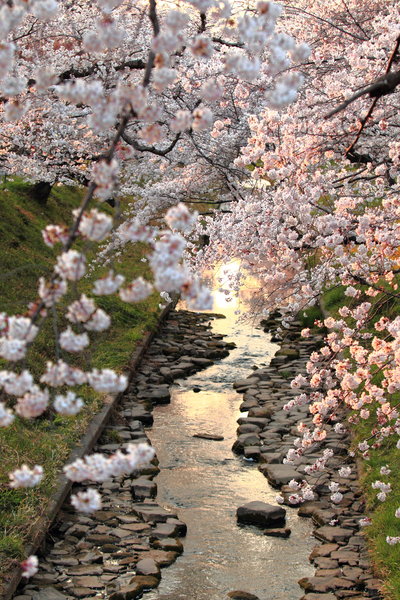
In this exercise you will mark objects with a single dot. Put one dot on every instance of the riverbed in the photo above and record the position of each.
(205, 482)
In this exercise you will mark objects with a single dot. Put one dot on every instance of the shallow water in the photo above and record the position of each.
(204, 482)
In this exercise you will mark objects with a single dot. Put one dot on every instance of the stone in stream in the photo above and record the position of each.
(143, 488)
(152, 512)
(333, 534)
(209, 436)
(279, 475)
(245, 439)
(168, 544)
(282, 532)
(239, 595)
(148, 567)
(261, 514)
(328, 596)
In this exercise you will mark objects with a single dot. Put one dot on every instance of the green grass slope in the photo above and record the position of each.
(48, 441)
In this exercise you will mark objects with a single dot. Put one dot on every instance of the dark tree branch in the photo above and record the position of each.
(152, 149)
(380, 87)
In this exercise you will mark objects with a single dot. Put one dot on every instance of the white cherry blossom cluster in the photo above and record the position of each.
(86, 502)
(30, 566)
(15, 334)
(71, 265)
(73, 342)
(25, 477)
(98, 467)
(94, 225)
(136, 291)
(109, 284)
(68, 404)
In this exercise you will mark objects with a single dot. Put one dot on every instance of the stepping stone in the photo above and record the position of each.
(168, 544)
(283, 532)
(261, 514)
(143, 488)
(209, 436)
(279, 475)
(148, 567)
(239, 595)
(47, 593)
(152, 512)
(333, 534)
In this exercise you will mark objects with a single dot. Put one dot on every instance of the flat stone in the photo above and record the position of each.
(181, 527)
(328, 596)
(143, 488)
(89, 582)
(245, 383)
(168, 544)
(333, 534)
(164, 530)
(239, 595)
(148, 567)
(86, 570)
(82, 592)
(48, 593)
(150, 512)
(323, 550)
(209, 436)
(324, 584)
(146, 581)
(283, 532)
(252, 453)
(163, 558)
(279, 475)
(261, 514)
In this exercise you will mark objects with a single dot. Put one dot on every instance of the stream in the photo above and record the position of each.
(204, 482)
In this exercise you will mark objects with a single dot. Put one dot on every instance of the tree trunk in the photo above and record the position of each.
(41, 191)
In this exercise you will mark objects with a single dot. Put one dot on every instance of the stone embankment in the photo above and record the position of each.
(266, 434)
(119, 551)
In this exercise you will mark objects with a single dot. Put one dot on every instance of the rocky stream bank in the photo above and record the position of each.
(120, 552)
(265, 435)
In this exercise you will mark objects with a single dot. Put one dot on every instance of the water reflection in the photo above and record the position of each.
(205, 483)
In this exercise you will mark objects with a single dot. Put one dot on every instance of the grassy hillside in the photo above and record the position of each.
(47, 441)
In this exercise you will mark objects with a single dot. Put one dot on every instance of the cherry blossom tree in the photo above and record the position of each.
(323, 210)
(124, 98)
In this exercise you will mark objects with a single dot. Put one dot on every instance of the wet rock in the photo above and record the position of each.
(148, 567)
(279, 475)
(164, 530)
(282, 532)
(86, 570)
(252, 453)
(181, 527)
(323, 550)
(261, 412)
(324, 584)
(163, 558)
(147, 582)
(88, 581)
(209, 436)
(47, 593)
(168, 544)
(333, 534)
(261, 514)
(143, 488)
(244, 384)
(246, 439)
(239, 595)
(328, 596)
(150, 512)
